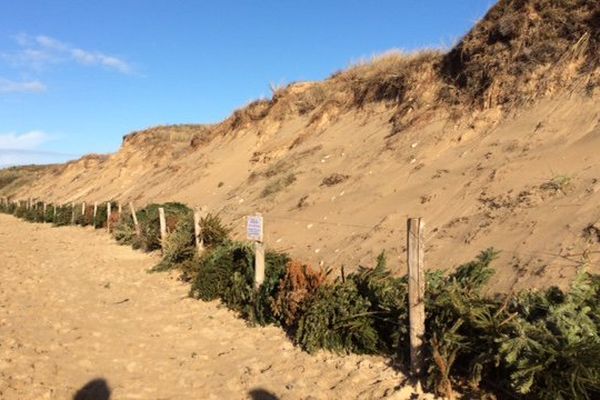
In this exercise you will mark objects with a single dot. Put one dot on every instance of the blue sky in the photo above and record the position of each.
(75, 76)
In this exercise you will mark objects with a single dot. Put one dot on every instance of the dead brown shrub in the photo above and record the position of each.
(299, 283)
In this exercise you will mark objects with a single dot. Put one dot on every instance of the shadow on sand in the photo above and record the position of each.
(96, 389)
(261, 394)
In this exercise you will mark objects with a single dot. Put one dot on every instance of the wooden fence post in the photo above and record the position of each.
(83, 208)
(108, 212)
(416, 293)
(45, 208)
(135, 220)
(120, 208)
(163, 227)
(95, 214)
(54, 214)
(198, 215)
(72, 213)
(259, 264)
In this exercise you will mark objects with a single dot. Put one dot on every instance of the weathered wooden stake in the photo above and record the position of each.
(83, 208)
(54, 213)
(108, 212)
(45, 207)
(416, 293)
(72, 213)
(135, 220)
(163, 227)
(198, 215)
(259, 264)
(120, 209)
(95, 213)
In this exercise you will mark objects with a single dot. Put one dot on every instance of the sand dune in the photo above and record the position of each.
(495, 183)
(494, 143)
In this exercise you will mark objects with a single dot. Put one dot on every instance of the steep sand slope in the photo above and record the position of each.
(75, 307)
(527, 184)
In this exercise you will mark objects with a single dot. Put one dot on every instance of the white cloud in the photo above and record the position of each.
(24, 149)
(26, 141)
(50, 43)
(89, 58)
(36, 52)
(8, 86)
(9, 158)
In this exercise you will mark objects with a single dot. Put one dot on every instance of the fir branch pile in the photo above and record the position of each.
(529, 345)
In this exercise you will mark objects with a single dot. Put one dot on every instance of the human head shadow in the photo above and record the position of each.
(261, 394)
(96, 389)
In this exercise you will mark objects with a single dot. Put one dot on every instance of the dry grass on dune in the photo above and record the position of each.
(408, 80)
(185, 133)
(523, 49)
(388, 77)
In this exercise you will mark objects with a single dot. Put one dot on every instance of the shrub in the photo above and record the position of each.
(189, 269)
(213, 231)
(227, 272)
(63, 215)
(179, 246)
(388, 299)
(49, 216)
(215, 270)
(99, 221)
(261, 311)
(337, 318)
(102, 214)
(299, 283)
(87, 217)
(461, 325)
(28, 215)
(148, 219)
(124, 231)
(551, 347)
(278, 185)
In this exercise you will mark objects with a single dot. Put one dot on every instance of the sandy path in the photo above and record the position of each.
(74, 306)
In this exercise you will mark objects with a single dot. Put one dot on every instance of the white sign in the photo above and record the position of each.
(254, 228)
